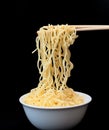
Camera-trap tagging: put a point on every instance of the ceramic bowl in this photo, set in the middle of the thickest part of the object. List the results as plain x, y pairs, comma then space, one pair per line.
56, 118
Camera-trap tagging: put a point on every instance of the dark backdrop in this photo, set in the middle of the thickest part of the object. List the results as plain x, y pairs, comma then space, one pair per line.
90, 74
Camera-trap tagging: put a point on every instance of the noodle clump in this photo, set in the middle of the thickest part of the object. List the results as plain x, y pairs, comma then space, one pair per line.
54, 65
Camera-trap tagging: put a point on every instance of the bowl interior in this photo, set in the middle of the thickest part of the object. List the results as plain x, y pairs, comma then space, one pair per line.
87, 99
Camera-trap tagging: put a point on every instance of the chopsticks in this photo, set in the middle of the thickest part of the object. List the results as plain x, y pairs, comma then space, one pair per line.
91, 27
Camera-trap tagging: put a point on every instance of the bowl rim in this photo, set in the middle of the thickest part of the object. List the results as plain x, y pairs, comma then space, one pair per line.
89, 99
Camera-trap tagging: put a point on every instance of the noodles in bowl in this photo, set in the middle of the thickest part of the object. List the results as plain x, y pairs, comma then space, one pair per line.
54, 65
56, 118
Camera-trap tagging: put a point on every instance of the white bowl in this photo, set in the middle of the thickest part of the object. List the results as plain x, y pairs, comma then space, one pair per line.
56, 118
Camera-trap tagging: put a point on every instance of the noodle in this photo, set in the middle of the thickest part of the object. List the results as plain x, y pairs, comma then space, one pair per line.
54, 65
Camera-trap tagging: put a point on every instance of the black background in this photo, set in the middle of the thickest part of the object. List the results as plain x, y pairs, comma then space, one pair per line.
90, 74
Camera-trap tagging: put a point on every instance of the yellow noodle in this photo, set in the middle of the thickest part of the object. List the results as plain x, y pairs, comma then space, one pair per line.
54, 65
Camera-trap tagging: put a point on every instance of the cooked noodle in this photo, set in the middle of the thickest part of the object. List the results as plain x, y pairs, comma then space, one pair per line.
54, 65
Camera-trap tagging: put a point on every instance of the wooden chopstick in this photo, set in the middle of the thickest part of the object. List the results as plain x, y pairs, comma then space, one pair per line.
91, 27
